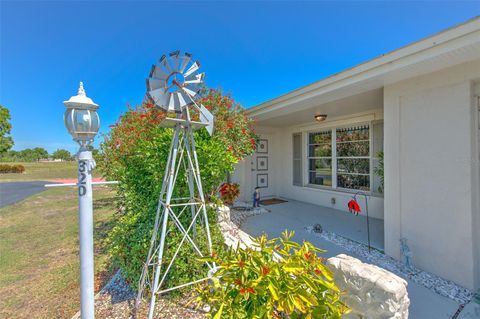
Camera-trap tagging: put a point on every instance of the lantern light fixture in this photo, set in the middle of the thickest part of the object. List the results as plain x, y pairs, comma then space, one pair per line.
81, 118
82, 122
320, 117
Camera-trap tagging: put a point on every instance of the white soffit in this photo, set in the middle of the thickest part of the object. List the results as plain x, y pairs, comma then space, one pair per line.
453, 46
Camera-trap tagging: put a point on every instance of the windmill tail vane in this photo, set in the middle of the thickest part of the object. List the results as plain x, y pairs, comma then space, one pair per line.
173, 85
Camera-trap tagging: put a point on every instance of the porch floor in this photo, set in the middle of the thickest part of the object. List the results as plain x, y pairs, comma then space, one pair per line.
295, 215
339, 222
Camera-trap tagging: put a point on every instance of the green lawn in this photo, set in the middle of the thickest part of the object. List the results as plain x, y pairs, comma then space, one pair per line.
39, 263
42, 171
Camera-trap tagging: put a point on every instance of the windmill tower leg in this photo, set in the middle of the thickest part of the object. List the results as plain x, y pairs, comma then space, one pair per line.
182, 150
200, 188
191, 180
158, 217
169, 180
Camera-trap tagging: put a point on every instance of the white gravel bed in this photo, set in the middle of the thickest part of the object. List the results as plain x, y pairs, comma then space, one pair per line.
430, 281
241, 211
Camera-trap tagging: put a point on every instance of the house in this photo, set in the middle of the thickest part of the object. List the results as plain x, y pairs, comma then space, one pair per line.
420, 106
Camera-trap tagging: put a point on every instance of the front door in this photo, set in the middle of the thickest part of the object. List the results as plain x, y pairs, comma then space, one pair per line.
261, 169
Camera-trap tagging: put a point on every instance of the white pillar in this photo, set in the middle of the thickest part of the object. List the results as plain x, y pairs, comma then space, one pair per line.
85, 218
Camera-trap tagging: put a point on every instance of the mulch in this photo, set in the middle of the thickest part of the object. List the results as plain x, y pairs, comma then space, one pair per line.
117, 301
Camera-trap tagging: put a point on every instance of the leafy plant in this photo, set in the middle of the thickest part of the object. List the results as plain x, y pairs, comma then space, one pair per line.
135, 153
229, 192
379, 171
253, 284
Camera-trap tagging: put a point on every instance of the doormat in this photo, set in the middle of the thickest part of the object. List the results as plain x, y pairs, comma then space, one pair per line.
272, 201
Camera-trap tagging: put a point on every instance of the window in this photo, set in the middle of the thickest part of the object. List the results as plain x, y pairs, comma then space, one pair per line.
344, 157
353, 157
320, 158
297, 159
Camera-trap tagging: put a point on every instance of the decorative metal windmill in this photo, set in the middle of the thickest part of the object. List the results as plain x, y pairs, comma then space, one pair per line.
173, 85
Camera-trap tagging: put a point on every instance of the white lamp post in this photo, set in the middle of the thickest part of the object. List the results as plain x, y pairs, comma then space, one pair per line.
82, 122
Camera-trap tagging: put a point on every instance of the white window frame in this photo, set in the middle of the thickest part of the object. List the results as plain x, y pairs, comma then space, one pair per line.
334, 158
321, 157
369, 157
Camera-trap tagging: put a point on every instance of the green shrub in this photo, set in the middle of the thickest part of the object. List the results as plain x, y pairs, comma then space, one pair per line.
135, 153
5, 168
252, 284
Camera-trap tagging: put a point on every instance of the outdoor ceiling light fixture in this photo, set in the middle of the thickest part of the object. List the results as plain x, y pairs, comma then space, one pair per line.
320, 117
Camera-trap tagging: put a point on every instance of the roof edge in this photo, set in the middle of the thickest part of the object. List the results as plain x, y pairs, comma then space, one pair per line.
434, 40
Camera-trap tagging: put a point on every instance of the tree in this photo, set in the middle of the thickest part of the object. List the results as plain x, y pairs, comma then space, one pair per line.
40, 153
26, 155
35, 154
62, 154
6, 141
135, 153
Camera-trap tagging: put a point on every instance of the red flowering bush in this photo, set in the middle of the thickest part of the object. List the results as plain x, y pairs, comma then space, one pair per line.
229, 192
250, 283
135, 153
232, 126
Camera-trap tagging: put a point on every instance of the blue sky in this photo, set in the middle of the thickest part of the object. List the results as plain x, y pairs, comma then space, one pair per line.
254, 50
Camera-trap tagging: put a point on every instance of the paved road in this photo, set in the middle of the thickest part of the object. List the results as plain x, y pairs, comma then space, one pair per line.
13, 192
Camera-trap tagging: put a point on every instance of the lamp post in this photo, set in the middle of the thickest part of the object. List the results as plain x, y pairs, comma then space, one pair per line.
82, 122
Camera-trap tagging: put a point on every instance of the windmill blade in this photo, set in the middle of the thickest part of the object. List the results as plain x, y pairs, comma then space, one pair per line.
149, 88
198, 79
189, 92
188, 98
195, 66
194, 81
207, 117
160, 97
164, 62
157, 72
171, 102
185, 60
174, 103
155, 83
194, 75
175, 55
181, 99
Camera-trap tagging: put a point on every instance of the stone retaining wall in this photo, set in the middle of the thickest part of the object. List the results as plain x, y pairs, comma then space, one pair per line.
371, 292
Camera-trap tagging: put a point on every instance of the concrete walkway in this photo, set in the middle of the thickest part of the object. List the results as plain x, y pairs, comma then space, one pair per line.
293, 215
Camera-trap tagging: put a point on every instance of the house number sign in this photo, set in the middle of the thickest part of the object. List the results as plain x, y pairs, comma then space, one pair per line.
82, 176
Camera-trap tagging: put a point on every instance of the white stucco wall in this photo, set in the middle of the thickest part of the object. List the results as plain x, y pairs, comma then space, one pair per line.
281, 172
431, 172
